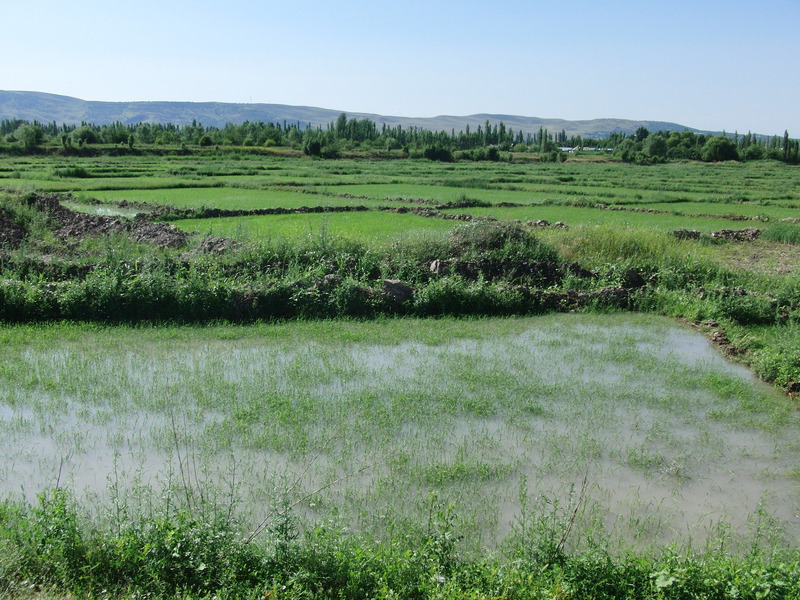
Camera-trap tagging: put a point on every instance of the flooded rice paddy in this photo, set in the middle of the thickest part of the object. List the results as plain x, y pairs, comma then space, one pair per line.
495, 418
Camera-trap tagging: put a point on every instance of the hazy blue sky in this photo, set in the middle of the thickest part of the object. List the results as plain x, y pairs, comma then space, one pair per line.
715, 65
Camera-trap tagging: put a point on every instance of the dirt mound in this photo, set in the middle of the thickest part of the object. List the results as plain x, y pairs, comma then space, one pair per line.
686, 234
218, 245
11, 233
73, 225
77, 226
749, 234
738, 235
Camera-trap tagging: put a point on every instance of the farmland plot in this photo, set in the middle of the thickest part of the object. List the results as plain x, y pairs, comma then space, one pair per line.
636, 423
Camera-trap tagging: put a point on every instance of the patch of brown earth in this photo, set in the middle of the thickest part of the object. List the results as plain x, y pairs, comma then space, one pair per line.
11, 233
716, 334
77, 226
761, 256
750, 234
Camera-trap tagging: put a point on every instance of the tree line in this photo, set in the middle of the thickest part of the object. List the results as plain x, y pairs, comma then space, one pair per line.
485, 142
645, 148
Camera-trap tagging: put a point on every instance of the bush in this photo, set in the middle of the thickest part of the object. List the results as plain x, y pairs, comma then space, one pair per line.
553, 156
504, 241
353, 299
85, 134
438, 153
451, 296
312, 148
754, 152
746, 309
22, 301
73, 172
719, 148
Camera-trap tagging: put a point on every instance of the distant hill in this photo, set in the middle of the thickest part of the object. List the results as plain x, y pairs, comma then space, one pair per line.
47, 108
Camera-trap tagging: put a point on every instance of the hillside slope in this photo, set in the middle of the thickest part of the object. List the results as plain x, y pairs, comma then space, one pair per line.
45, 107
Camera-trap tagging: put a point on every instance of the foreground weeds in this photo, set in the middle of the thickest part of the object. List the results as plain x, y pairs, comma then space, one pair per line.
52, 549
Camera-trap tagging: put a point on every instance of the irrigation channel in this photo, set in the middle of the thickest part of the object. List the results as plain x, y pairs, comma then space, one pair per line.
366, 423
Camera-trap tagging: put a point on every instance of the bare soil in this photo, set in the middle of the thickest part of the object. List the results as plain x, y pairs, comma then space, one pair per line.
75, 226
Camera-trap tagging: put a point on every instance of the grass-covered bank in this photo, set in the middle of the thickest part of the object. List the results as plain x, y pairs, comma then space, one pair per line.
413, 457
51, 551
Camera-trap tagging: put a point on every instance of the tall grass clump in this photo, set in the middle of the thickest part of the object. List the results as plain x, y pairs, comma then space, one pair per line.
21, 210
496, 249
603, 245
787, 233
72, 172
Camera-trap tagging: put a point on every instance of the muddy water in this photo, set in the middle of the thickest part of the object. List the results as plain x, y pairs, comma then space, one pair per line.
675, 443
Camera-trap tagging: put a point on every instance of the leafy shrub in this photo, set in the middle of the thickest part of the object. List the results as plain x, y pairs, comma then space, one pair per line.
445, 296
746, 309
438, 153
553, 156
352, 299
312, 148
22, 301
719, 148
457, 296
498, 240
72, 172
779, 367
56, 540
273, 301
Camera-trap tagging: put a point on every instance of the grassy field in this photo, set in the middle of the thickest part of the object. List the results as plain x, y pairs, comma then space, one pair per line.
686, 196
562, 428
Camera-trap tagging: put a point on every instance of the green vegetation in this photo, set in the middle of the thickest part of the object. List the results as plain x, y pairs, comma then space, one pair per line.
425, 458
126, 283
486, 143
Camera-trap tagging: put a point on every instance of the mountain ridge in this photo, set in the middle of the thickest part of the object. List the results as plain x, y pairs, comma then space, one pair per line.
45, 107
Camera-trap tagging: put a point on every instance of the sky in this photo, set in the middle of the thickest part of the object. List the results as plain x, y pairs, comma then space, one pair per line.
714, 65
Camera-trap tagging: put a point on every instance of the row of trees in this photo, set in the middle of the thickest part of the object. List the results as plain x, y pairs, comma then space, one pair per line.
484, 142
344, 131
644, 147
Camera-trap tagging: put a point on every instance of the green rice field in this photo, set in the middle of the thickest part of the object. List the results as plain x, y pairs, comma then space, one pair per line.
367, 422
364, 378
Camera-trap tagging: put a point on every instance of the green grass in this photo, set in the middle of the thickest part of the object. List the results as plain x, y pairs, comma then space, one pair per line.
371, 227
572, 216
409, 446
787, 233
226, 198
771, 212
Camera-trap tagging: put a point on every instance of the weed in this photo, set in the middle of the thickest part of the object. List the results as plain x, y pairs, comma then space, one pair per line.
787, 233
